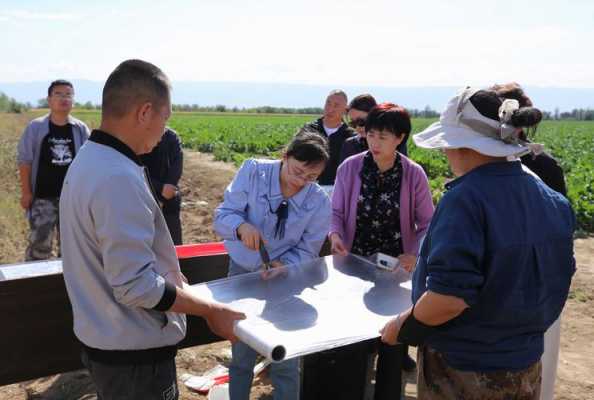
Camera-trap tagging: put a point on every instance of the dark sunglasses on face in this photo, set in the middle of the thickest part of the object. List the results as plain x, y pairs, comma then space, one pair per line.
358, 122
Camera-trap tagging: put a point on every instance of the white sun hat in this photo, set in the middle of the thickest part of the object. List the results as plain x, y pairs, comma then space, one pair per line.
461, 125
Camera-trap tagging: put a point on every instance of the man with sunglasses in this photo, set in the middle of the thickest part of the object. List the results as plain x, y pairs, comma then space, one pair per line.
332, 127
44, 154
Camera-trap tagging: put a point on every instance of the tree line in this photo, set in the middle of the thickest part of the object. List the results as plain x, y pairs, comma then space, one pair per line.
8, 104
579, 114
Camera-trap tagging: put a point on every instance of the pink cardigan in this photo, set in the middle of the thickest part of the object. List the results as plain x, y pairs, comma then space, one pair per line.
416, 205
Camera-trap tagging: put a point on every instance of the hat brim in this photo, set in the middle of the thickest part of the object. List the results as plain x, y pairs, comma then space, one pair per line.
442, 136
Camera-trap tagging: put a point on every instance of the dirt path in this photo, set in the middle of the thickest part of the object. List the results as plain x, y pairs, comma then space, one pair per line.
202, 187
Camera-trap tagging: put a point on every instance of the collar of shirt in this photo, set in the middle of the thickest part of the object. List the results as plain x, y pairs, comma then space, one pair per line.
109, 140
493, 168
331, 131
69, 119
319, 125
275, 192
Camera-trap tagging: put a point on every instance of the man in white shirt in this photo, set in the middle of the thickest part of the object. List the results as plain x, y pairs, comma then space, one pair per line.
332, 126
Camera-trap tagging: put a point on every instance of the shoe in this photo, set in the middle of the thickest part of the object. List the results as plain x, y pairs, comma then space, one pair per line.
408, 364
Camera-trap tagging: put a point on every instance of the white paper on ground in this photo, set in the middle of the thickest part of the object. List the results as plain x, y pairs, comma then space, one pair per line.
314, 306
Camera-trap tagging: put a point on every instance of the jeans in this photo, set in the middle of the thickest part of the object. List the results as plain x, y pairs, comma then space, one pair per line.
284, 375
44, 220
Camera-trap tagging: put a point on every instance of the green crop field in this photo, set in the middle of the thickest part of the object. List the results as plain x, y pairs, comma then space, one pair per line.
234, 137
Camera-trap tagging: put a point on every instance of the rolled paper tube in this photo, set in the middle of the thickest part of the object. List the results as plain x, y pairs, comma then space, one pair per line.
274, 352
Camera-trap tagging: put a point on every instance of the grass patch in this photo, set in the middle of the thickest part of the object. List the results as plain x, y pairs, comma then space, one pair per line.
580, 295
13, 226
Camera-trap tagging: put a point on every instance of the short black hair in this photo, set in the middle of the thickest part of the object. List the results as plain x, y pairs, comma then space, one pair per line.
309, 147
363, 102
389, 117
58, 82
134, 82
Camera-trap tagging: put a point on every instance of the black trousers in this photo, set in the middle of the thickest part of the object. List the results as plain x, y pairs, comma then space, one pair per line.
145, 381
339, 373
173, 222
388, 376
342, 373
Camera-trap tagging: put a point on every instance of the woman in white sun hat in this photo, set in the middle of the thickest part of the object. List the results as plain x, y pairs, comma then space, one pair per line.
495, 267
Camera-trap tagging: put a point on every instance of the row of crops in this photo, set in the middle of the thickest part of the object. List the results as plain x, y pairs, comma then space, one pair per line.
235, 137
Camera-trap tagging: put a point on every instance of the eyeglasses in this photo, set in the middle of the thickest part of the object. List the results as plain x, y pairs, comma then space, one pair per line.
297, 173
357, 122
60, 95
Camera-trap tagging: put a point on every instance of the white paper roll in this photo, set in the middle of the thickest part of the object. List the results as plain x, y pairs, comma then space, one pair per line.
273, 351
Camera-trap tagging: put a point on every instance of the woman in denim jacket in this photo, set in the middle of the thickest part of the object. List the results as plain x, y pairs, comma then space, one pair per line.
277, 203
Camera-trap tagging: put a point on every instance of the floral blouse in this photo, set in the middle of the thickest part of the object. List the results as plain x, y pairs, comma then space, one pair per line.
378, 210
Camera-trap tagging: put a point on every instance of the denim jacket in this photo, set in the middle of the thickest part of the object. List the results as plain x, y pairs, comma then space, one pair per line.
253, 196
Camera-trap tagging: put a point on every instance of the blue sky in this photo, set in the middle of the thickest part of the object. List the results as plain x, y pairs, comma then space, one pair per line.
343, 42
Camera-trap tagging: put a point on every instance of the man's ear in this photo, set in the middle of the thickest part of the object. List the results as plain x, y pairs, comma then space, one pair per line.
144, 113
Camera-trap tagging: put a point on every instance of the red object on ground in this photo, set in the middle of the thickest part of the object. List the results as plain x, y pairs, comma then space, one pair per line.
219, 380
200, 249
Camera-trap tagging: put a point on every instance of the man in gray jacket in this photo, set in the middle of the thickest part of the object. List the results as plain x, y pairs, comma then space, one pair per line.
44, 154
123, 278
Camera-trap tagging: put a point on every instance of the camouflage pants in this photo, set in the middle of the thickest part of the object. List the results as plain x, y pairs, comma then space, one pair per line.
43, 221
436, 380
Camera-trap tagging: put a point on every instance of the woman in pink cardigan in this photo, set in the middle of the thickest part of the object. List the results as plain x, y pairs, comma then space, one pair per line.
414, 201
382, 203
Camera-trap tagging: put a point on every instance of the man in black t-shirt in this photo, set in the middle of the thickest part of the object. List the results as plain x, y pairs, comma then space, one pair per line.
45, 152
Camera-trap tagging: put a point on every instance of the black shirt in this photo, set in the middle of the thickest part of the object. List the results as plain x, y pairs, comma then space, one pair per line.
352, 146
57, 152
335, 142
165, 164
378, 210
547, 169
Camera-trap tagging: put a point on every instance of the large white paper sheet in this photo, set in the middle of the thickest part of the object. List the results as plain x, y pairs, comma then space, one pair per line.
305, 308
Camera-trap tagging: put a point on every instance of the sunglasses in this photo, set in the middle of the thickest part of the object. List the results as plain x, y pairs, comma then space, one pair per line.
357, 122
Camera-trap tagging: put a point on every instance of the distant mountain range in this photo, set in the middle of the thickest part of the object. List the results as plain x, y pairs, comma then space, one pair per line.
244, 94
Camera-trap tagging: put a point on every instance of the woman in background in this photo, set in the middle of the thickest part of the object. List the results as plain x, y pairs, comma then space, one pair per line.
546, 168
